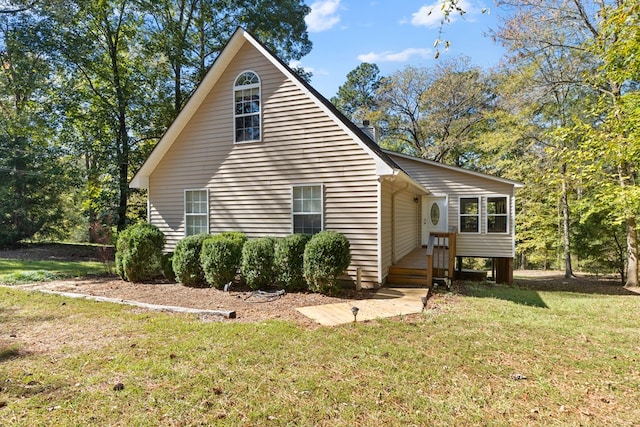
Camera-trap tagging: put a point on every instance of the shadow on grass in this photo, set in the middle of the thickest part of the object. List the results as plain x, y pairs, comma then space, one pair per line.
581, 284
528, 297
9, 353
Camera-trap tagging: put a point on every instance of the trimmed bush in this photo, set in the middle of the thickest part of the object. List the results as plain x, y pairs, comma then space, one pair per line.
257, 262
288, 261
167, 267
221, 256
326, 256
186, 260
139, 252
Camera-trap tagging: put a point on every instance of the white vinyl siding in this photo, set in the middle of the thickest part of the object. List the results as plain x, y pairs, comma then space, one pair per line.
307, 209
405, 218
250, 185
456, 184
196, 211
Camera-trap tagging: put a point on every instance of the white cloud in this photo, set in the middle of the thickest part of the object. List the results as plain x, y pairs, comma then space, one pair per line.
296, 64
324, 15
389, 56
431, 15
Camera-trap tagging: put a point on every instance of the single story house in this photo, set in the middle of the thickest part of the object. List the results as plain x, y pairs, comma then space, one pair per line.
256, 149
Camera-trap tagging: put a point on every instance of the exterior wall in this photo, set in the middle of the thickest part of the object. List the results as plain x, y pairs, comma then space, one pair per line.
406, 234
386, 228
400, 223
442, 181
250, 184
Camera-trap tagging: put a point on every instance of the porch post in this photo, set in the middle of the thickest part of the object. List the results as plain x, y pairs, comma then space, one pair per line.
504, 270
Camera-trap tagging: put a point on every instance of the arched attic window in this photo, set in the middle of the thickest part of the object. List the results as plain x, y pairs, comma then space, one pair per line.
247, 107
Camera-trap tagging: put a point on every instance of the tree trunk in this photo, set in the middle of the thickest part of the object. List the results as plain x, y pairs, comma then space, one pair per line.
632, 253
566, 226
632, 233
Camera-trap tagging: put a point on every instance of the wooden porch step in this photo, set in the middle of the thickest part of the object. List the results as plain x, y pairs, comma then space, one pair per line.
407, 277
407, 271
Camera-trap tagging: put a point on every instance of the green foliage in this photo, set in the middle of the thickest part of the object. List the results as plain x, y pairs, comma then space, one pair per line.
356, 98
220, 257
186, 260
167, 267
326, 256
435, 113
34, 171
288, 261
257, 262
139, 252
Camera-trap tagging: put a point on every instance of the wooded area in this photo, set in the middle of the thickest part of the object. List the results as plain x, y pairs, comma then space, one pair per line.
87, 88
560, 115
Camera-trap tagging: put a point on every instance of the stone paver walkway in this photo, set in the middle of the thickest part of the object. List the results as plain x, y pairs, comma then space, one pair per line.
387, 302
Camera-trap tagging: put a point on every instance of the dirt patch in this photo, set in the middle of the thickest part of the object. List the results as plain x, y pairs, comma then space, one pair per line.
249, 306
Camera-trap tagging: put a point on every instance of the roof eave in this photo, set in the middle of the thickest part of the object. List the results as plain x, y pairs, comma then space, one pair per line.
516, 184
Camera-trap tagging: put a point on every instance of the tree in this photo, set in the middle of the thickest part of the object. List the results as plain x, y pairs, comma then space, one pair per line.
356, 98
433, 113
455, 106
99, 42
554, 37
32, 167
191, 33
615, 137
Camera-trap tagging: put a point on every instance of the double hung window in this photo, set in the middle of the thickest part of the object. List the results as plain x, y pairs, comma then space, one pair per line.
497, 214
196, 212
469, 217
307, 209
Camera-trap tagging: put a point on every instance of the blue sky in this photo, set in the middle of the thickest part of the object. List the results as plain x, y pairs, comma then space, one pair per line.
392, 34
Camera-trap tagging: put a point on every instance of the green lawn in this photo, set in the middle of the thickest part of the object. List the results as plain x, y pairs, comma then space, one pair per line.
14, 271
497, 356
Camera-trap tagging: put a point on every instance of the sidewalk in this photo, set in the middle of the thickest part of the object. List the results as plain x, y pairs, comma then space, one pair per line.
387, 302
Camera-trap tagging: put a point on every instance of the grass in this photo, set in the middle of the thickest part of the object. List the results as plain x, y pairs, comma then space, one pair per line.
13, 271
496, 356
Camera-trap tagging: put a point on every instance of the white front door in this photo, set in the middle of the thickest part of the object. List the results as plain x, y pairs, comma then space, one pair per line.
434, 216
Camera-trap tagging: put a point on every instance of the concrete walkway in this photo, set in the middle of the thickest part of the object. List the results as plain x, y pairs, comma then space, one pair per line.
386, 302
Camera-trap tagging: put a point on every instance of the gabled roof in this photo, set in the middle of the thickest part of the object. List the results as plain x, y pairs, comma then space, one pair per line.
384, 164
516, 184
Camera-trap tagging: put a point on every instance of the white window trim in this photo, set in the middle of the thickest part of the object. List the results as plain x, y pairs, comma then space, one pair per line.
321, 204
233, 97
507, 214
184, 208
479, 214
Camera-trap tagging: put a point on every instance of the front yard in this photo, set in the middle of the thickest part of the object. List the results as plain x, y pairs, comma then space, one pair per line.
546, 352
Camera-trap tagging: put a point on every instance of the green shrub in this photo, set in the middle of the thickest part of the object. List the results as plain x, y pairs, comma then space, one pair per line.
167, 267
186, 260
257, 262
288, 261
326, 256
139, 252
221, 256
